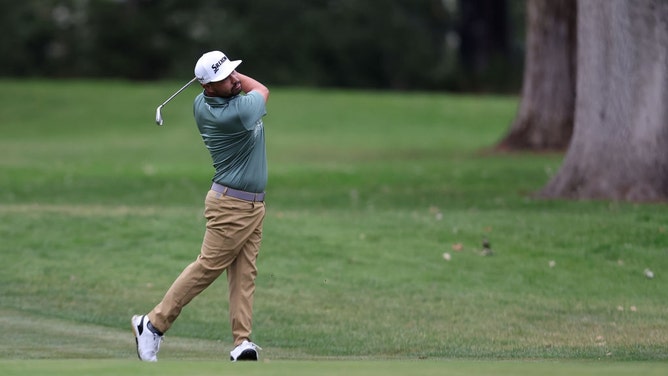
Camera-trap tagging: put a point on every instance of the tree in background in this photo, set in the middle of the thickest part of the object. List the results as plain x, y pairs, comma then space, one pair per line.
485, 47
389, 44
620, 140
344, 43
545, 117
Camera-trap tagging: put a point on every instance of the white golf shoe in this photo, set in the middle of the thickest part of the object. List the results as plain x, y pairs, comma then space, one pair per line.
148, 342
245, 351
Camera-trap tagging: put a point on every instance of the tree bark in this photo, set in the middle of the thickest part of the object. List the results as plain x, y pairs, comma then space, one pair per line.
545, 117
619, 149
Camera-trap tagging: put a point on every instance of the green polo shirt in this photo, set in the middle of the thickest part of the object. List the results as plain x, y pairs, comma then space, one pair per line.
233, 132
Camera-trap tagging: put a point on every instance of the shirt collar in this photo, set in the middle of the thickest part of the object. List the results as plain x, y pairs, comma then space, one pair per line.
217, 101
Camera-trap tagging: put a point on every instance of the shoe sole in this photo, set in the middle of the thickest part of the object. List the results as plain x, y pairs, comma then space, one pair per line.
136, 333
247, 355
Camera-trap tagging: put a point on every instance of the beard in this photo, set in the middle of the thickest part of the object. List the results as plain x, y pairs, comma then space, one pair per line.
236, 89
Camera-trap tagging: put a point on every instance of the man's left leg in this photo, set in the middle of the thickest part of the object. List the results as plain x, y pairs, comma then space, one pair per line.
241, 285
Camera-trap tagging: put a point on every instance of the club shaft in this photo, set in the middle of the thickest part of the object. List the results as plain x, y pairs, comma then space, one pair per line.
180, 90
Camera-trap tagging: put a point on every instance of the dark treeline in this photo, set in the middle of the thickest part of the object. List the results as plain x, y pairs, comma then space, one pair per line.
457, 45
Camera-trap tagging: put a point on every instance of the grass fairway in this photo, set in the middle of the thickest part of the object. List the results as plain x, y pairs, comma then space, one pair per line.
100, 210
332, 368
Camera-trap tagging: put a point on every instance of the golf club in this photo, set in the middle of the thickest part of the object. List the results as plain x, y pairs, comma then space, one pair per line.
158, 113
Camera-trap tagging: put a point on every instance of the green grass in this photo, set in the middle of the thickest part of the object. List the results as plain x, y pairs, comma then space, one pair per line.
337, 367
100, 210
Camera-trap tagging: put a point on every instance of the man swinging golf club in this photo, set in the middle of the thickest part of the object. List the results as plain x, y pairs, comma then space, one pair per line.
229, 115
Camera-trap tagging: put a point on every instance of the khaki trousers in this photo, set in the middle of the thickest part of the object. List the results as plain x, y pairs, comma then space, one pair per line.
231, 242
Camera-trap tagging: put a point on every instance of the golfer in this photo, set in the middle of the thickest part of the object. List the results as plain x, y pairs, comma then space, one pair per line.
229, 115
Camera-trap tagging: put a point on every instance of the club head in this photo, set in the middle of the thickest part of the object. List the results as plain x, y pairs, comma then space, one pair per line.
158, 115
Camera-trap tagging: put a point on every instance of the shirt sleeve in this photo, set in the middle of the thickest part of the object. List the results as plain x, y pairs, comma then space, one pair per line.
252, 108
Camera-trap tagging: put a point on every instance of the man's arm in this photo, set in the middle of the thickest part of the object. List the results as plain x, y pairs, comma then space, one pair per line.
249, 84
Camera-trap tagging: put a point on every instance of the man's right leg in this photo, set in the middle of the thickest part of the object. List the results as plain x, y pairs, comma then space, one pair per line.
150, 328
193, 280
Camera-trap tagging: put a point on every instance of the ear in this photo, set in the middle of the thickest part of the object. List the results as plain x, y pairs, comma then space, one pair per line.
207, 88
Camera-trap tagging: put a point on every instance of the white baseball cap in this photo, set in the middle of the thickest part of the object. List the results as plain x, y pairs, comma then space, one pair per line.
214, 66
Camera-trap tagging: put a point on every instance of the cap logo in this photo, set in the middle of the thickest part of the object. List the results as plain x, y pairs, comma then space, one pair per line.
216, 66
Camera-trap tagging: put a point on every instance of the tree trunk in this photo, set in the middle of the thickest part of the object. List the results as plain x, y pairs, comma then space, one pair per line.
619, 149
545, 116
